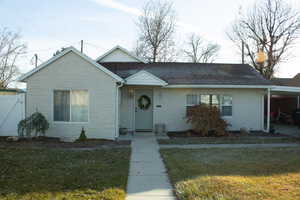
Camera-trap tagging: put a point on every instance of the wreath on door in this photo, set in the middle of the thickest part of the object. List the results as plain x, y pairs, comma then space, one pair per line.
144, 102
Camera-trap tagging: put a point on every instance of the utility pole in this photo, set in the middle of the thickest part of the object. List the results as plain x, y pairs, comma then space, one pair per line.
35, 59
81, 46
243, 52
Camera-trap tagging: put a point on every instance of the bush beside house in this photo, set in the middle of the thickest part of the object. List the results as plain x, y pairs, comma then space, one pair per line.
206, 120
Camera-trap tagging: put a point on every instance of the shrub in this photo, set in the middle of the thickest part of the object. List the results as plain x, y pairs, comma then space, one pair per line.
36, 122
206, 120
82, 136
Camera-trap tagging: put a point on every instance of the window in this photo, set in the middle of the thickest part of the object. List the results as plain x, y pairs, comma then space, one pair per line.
215, 100
71, 105
210, 99
226, 106
205, 99
191, 99
223, 102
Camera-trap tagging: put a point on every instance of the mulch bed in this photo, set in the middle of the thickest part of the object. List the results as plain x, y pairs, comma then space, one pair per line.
193, 134
52, 142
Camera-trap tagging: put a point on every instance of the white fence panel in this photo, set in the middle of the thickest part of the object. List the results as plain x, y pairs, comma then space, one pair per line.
12, 110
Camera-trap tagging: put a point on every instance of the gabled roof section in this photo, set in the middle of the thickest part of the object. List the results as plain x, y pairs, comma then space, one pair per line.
130, 57
67, 50
145, 78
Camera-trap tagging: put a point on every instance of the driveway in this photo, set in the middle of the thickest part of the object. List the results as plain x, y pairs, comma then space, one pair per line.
287, 130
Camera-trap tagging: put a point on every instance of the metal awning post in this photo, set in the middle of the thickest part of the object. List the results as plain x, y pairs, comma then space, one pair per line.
268, 112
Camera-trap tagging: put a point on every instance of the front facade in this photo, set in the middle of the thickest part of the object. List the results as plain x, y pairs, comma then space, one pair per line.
119, 90
243, 107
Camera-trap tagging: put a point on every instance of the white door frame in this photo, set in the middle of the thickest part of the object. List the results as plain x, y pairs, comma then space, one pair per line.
134, 107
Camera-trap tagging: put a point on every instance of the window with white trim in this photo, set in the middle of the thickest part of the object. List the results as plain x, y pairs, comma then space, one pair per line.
226, 109
223, 102
205, 99
191, 99
71, 105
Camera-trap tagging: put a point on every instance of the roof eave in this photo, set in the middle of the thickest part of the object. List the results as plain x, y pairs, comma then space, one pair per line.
218, 86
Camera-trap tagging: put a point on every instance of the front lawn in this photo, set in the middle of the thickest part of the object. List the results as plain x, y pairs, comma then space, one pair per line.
39, 174
234, 174
229, 140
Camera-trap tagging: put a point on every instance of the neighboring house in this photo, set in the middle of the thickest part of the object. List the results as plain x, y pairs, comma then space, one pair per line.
12, 110
10, 91
119, 89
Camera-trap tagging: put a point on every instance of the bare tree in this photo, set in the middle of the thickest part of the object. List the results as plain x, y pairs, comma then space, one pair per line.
271, 26
10, 50
156, 25
199, 50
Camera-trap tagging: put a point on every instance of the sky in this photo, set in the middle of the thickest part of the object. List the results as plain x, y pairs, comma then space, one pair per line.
48, 25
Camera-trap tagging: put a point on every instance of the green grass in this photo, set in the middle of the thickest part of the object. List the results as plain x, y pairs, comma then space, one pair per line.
234, 174
39, 174
230, 140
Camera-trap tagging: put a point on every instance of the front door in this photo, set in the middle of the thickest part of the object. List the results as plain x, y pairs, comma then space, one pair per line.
143, 110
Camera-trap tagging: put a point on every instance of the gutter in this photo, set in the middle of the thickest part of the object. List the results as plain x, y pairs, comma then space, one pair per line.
276, 88
220, 86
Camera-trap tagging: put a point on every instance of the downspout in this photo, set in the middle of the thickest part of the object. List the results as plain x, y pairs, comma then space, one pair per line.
119, 85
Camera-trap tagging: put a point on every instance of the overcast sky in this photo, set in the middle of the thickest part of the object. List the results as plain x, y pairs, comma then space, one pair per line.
46, 26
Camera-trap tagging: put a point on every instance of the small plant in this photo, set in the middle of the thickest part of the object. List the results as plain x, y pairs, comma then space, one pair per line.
206, 120
82, 136
36, 122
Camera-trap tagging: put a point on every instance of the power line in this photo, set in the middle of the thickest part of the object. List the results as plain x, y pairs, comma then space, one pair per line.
95, 46
51, 48
34, 59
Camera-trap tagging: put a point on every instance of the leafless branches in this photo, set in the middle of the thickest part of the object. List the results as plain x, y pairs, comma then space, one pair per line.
156, 25
199, 50
271, 25
10, 50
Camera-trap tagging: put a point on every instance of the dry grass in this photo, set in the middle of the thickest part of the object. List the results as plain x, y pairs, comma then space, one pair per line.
235, 174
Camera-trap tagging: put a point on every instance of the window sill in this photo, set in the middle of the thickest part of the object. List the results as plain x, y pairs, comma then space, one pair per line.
226, 117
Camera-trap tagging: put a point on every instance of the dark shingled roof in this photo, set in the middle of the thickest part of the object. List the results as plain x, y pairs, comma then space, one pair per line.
291, 82
192, 73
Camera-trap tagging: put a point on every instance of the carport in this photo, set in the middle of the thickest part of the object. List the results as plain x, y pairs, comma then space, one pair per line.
280, 104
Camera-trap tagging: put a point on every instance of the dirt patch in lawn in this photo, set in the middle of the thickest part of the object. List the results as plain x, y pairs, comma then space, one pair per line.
53, 142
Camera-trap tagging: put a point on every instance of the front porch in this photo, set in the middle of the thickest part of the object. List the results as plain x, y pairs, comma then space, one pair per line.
139, 98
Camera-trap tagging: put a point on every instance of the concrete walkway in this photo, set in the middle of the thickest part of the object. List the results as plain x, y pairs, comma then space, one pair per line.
148, 179
199, 146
